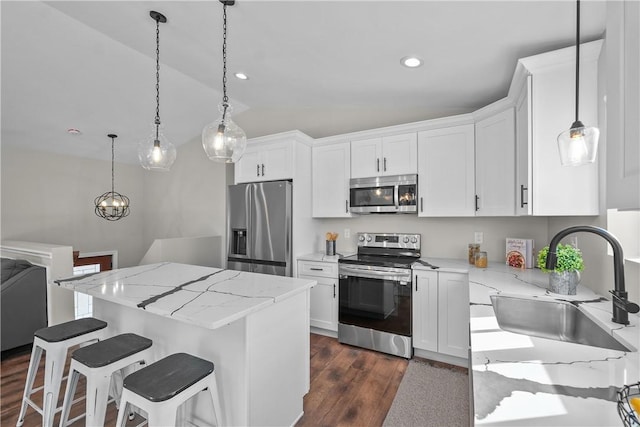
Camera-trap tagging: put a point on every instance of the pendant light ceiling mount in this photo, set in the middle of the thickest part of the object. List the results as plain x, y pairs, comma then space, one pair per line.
112, 205
223, 140
579, 144
156, 152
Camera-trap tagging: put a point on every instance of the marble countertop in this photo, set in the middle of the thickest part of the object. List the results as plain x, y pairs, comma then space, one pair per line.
320, 256
522, 380
203, 296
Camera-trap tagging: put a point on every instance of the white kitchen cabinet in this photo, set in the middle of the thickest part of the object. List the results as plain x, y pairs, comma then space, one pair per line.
495, 164
441, 312
388, 155
623, 105
446, 171
331, 170
545, 107
265, 162
324, 296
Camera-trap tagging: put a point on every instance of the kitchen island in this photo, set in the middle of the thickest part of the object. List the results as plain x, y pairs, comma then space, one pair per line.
521, 380
253, 327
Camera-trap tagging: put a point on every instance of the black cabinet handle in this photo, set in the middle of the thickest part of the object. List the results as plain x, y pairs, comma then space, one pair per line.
346, 206
263, 169
316, 269
477, 200
334, 290
522, 190
377, 165
384, 164
416, 282
257, 170
421, 204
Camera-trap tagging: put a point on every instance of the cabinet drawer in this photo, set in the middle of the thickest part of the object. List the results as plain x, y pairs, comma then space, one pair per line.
321, 269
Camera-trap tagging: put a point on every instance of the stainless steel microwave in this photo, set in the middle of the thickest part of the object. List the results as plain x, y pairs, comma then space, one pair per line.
384, 194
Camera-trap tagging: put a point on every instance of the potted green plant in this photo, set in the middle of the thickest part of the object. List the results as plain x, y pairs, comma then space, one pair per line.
565, 277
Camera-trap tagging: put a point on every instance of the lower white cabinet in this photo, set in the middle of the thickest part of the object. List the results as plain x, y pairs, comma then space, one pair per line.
441, 312
324, 296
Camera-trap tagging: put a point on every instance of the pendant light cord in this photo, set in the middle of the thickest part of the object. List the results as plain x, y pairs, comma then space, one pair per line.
157, 121
577, 56
112, 166
225, 98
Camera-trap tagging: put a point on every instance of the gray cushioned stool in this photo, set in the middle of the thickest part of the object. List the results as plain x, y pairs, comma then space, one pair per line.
55, 341
97, 362
160, 388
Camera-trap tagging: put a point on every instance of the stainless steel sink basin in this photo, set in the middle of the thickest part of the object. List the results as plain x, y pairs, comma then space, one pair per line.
556, 320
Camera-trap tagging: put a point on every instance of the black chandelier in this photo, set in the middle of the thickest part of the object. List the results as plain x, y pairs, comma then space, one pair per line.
111, 205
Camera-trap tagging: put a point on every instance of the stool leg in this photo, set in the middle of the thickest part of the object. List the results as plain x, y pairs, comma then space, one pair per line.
54, 368
36, 355
213, 391
122, 410
72, 384
96, 400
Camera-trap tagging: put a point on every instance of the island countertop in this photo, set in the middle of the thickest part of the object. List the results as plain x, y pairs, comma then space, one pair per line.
203, 296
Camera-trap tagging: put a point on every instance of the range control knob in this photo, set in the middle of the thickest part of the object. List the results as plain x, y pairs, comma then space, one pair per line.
406, 239
414, 239
368, 238
361, 238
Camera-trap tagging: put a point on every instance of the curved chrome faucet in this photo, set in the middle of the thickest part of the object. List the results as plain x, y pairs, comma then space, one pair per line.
621, 306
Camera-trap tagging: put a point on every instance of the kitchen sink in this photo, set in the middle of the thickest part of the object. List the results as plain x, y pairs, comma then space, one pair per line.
556, 320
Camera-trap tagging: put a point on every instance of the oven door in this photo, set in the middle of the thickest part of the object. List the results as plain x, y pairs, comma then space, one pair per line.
373, 299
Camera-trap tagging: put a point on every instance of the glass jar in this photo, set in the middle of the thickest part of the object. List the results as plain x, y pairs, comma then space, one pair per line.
481, 259
473, 249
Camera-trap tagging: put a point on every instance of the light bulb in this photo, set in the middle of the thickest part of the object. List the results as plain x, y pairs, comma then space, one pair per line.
156, 152
223, 140
578, 145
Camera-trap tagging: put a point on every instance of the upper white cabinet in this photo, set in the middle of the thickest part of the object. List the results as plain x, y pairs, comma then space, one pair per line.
265, 162
388, 155
623, 105
545, 85
446, 171
330, 169
495, 164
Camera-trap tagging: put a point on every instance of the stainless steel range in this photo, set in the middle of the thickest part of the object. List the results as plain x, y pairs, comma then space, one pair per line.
375, 293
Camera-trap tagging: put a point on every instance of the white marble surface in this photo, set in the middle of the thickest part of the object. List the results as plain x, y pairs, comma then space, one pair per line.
203, 296
320, 256
521, 380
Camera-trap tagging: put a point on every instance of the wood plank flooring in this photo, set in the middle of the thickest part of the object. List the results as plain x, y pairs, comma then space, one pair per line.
349, 387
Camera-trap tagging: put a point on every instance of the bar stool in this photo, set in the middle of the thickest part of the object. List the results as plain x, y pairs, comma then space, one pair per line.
55, 341
160, 388
97, 362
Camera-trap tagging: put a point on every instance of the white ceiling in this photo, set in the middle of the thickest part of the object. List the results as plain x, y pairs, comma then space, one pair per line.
322, 67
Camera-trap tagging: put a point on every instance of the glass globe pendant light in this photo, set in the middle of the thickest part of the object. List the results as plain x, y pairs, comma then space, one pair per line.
223, 140
579, 144
111, 205
156, 152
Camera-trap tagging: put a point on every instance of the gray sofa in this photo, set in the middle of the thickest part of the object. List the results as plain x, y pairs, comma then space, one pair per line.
23, 302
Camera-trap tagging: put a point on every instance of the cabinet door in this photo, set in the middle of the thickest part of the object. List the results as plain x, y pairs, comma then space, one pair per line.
623, 105
523, 150
324, 303
453, 314
331, 165
247, 169
366, 157
495, 165
446, 171
425, 310
399, 154
557, 189
277, 161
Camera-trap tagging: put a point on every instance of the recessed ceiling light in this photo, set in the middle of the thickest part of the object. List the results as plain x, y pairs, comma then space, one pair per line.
411, 61
241, 76
73, 131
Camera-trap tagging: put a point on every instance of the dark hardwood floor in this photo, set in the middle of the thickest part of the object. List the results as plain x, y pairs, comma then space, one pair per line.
349, 387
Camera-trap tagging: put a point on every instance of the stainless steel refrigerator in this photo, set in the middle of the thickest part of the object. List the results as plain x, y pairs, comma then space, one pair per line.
259, 227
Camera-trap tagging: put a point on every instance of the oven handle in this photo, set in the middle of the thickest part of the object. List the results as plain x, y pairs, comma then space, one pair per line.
403, 278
